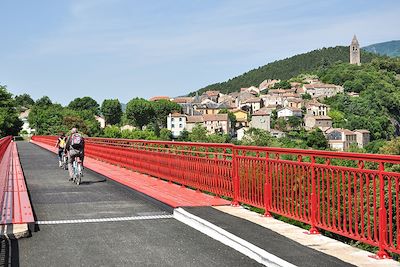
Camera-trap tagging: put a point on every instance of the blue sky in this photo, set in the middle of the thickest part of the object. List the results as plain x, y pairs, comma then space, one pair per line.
127, 48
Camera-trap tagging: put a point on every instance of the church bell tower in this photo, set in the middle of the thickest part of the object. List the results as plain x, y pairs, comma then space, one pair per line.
355, 51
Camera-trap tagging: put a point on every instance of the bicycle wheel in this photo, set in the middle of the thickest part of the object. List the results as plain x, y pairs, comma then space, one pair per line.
78, 173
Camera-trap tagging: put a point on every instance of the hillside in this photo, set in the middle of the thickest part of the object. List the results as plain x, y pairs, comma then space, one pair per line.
288, 68
391, 48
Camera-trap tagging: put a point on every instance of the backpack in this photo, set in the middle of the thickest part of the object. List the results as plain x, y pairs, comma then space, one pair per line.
61, 142
76, 141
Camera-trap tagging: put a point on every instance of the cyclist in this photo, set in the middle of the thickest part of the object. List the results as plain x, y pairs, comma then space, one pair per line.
61, 141
76, 148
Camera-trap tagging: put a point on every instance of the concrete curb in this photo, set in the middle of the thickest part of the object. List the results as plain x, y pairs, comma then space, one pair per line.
229, 239
14, 231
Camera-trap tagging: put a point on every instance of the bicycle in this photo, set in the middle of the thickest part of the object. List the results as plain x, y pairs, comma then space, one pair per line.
64, 161
77, 168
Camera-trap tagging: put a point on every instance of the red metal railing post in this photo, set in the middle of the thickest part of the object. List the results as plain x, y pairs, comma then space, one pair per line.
267, 188
314, 205
235, 201
382, 254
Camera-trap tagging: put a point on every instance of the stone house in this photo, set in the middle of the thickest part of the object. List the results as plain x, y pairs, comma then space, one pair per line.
288, 112
340, 139
261, 119
269, 100
363, 137
218, 123
212, 95
315, 108
318, 90
293, 102
191, 122
214, 123
252, 104
321, 122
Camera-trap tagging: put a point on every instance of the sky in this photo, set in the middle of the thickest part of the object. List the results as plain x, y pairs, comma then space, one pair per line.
123, 49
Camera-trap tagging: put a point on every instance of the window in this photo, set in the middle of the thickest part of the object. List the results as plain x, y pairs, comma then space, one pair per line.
180, 119
172, 119
172, 125
180, 125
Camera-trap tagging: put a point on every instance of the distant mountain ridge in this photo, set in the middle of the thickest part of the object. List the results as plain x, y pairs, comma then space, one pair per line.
391, 48
287, 68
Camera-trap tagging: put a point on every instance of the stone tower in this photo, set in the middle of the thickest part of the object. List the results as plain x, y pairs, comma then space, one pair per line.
355, 51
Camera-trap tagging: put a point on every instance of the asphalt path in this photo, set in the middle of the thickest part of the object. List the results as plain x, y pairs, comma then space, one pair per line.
73, 229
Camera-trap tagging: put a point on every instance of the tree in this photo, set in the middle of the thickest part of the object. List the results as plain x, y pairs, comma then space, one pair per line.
282, 85
47, 119
10, 124
44, 101
85, 103
112, 132
198, 134
139, 112
184, 136
231, 116
162, 108
165, 134
259, 137
24, 100
316, 139
112, 111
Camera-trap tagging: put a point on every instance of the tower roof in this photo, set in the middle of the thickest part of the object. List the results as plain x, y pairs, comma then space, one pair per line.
354, 41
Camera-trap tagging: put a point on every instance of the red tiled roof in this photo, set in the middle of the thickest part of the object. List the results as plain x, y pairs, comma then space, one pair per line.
177, 115
215, 117
155, 98
182, 99
195, 119
212, 93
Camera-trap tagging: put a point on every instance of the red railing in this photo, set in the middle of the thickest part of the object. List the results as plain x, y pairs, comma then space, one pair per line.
351, 194
4, 142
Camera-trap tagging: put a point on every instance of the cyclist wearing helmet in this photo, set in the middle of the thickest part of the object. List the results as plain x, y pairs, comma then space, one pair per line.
76, 148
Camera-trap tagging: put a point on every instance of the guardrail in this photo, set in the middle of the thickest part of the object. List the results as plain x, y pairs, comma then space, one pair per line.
15, 204
351, 194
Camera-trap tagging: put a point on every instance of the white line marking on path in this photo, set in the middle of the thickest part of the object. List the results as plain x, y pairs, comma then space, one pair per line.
256, 253
115, 219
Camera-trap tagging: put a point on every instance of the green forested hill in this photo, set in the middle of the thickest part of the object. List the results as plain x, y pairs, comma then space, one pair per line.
391, 48
288, 68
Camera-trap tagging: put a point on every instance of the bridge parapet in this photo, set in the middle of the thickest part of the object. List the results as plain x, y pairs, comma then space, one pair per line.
351, 194
15, 204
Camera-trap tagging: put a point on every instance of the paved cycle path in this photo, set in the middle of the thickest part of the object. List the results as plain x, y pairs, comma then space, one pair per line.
102, 223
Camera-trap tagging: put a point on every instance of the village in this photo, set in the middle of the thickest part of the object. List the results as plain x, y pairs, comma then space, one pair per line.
258, 107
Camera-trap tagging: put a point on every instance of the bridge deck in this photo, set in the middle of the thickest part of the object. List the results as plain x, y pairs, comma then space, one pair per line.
171, 194
73, 229
104, 223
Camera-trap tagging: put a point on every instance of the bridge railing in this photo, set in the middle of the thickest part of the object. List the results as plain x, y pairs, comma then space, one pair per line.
351, 194
4, 142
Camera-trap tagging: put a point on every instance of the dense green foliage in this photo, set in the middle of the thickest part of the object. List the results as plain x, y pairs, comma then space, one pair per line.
162, 108
50, 119
139, 112
378, 107
391, 48
85, 103
288, 68
10, 124
112, 111
24, 100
